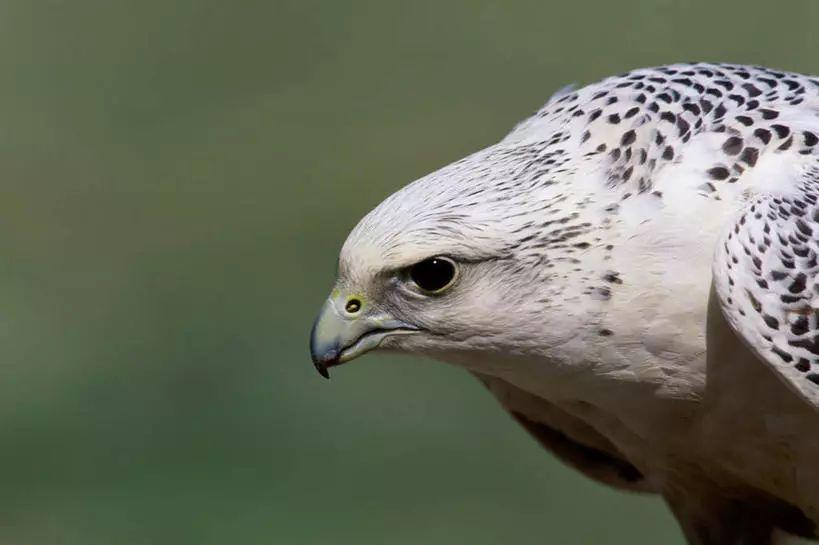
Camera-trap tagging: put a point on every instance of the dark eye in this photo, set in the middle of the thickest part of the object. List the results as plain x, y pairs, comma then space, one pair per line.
433, 274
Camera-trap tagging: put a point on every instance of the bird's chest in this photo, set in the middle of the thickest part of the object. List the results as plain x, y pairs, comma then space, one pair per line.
642, 413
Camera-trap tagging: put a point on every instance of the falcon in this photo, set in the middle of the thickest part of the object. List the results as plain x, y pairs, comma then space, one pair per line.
633, 273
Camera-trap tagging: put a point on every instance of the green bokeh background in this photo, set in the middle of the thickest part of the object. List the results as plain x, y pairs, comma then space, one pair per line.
177, 178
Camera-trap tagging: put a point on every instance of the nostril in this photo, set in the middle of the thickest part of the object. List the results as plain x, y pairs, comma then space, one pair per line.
353, 305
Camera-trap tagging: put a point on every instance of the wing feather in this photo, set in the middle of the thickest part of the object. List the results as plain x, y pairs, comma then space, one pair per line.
766, 275
572, 441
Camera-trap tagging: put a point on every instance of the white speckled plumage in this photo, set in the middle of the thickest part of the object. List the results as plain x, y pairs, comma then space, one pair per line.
590, 239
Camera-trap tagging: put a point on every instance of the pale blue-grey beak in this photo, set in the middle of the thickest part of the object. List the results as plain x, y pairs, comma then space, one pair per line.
348, 327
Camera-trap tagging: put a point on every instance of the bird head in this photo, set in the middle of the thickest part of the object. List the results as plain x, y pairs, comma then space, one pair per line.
458, 264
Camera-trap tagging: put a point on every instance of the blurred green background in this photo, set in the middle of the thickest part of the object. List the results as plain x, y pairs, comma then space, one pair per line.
177, 178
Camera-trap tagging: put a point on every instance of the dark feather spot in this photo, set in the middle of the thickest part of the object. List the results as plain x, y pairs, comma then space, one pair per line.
786, 144
800, 326
732, 146
749, 156
809, 344
803, 227
781, 130
628, 138
752, 90
798, 284
718, 173
763, 134
770, 321
787, 358
745, 120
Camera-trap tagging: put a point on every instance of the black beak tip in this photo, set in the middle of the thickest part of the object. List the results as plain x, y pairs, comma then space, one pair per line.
322, 369
324, 355
323, 360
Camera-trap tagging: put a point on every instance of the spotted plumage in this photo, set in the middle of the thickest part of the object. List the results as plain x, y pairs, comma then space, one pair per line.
766, 275
638, 284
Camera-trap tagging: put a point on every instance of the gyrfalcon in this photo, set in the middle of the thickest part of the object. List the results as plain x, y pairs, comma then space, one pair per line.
633, 273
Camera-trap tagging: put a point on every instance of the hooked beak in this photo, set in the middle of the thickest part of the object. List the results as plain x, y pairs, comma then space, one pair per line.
346, 328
